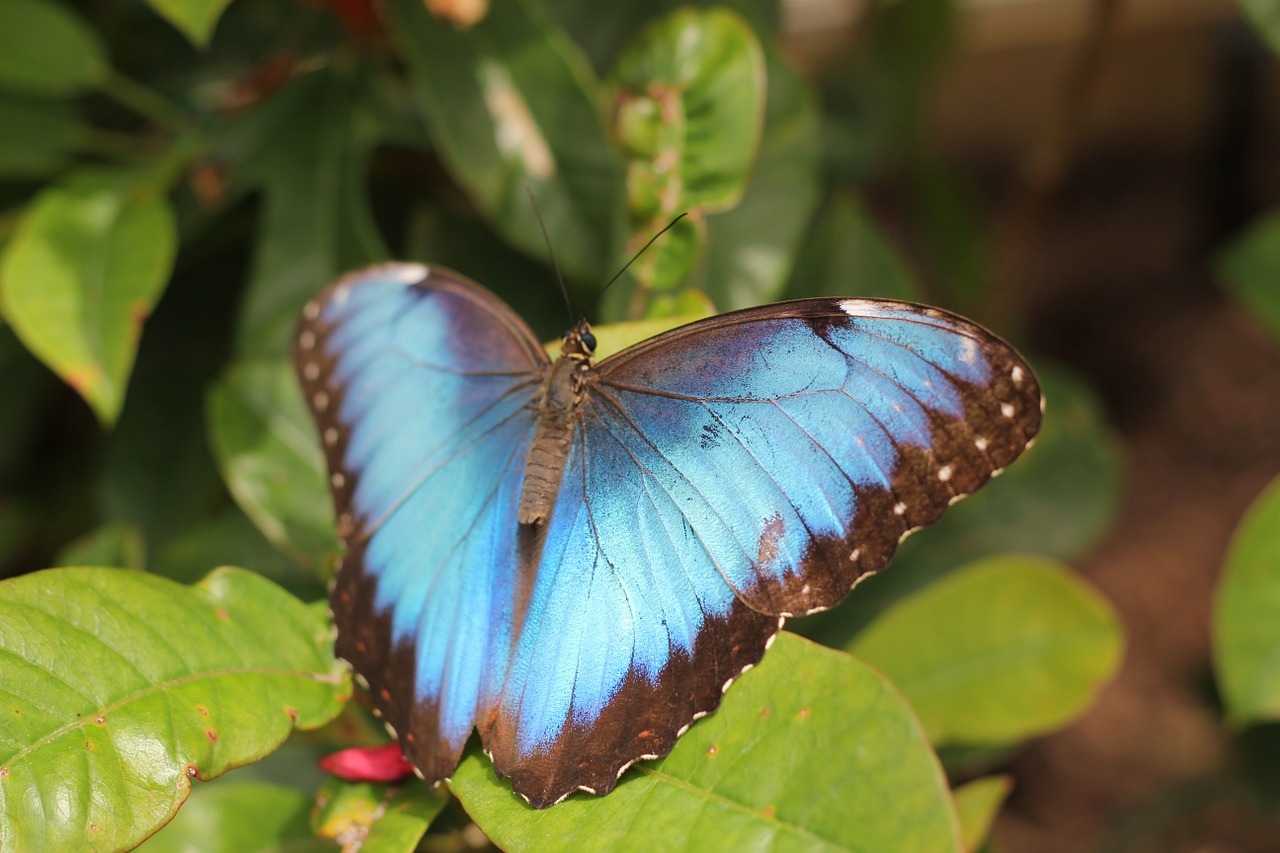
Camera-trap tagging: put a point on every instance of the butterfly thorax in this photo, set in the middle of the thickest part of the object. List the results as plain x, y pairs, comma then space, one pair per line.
557, 407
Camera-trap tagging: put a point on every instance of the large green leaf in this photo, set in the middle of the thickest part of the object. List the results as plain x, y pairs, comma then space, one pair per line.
86, 265
1265, 17
998, 651
270, 456
46, 49
377, 818
195, 18
811, 750
1246, 617
39, 135
1250, 267
307, 150
240, 817
121, 687
512, 107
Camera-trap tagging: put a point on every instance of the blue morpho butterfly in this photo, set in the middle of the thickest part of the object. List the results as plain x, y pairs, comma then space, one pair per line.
578, 559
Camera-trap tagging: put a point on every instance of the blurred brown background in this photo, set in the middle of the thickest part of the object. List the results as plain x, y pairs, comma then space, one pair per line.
1116, 146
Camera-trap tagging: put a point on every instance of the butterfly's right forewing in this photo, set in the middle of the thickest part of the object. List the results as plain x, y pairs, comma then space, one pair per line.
420, 383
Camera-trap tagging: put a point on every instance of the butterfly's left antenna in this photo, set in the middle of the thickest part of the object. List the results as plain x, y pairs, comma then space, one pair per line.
564, 291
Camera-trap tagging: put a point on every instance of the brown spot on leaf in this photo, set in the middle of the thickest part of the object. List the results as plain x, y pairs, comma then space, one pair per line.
84, 378
769, 811
802, 714
292, 712
212, 735
223, 615
100, 720
712, 750
138, 314
202, 710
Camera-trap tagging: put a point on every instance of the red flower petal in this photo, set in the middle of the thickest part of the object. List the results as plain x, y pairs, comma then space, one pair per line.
368, 764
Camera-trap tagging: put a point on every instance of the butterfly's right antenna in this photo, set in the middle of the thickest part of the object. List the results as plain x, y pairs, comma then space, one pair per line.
635, 258
564, 291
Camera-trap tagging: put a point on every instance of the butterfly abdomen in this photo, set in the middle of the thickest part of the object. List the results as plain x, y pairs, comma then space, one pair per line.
557, 408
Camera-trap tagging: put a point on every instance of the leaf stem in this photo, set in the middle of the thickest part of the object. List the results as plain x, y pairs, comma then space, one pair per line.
144, 101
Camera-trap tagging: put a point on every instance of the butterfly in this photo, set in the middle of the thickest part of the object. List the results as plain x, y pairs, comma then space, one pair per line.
578, 559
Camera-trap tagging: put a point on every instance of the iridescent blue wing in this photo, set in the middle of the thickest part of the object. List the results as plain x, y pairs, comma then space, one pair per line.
724, 476
420, 383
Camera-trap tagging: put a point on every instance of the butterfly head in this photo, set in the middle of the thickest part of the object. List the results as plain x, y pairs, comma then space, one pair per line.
578, 343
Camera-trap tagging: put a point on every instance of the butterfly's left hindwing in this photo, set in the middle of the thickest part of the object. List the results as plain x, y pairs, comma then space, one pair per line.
420, 383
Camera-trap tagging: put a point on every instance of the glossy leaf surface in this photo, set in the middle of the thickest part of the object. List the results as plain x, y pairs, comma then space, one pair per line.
1245, 622
998, 651
121, 688
811, 750
88, 262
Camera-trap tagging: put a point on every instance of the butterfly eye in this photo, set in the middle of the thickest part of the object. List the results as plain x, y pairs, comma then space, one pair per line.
589, 342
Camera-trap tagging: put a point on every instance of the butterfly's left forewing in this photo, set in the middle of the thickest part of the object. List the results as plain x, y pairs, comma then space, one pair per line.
723, 476
420, 383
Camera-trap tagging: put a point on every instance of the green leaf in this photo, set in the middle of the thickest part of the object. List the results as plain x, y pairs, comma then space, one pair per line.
47, 50
1265, 17
86, 265
603, 32
688, 106
307, 149
1001, 650
688, 100
811, 750
270, 457
121, 687
978, 802
846, 254
39, 135
377, 818
512, 106
195, 18
240, 817
1250, 267
1246, 616
116, 544
751, 249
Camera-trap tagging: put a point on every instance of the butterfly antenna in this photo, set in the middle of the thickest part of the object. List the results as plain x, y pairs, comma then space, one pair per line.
635, 258
564, 291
